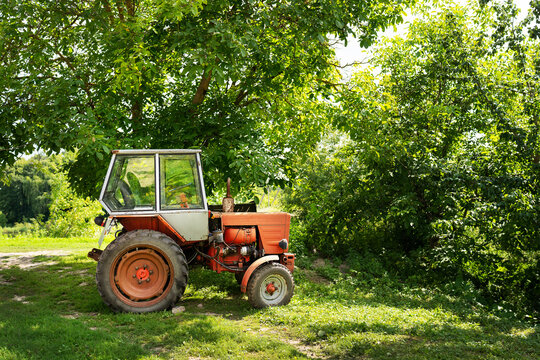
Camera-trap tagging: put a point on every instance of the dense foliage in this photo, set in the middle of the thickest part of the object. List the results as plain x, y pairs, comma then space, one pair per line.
36, 199
27, 193
439, 156
235, 78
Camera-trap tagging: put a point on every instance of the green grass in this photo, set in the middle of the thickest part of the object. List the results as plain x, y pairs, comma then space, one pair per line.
50, 309
21, 243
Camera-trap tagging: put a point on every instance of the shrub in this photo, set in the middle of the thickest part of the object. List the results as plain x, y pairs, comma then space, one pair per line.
70, 215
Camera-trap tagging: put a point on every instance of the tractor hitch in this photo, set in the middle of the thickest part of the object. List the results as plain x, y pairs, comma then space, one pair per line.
95, 254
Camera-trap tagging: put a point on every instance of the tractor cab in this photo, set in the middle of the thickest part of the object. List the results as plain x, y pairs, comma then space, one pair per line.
166, 185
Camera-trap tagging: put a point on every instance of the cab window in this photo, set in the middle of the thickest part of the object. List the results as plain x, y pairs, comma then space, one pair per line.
180, 184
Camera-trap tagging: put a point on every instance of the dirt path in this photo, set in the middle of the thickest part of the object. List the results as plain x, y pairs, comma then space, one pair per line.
26, 260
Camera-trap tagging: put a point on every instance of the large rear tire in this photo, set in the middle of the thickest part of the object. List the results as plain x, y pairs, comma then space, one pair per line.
142, 271
270, 285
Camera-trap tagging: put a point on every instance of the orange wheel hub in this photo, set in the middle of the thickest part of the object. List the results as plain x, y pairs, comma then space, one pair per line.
142, 276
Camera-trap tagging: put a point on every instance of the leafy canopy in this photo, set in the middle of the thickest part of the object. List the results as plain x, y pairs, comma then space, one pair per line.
240, 79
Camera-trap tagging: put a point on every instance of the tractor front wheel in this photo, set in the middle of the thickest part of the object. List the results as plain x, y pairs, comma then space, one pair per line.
142, 271
270, 285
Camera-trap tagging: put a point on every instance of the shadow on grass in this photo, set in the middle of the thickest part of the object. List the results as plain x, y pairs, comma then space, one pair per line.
29, 332
406, 323
396, 295
54, 311
350, 339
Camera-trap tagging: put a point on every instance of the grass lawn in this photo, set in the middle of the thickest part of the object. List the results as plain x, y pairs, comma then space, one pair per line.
50, 309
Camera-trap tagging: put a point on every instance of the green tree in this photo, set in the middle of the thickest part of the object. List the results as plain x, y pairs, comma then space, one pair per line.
443, 163
27, 193
239, 79
3, 219
37, 191
446, 133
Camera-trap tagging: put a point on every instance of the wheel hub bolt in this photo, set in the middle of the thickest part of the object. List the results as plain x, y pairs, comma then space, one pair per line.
134, 276
151, 272
148, 280
270, 288
140, 281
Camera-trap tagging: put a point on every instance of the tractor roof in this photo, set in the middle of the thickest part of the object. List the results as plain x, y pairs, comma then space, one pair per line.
155, 151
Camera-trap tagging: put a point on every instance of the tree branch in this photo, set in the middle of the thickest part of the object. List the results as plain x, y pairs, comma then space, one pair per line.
241, 96
329, 83
130, 6
198, 98
108, 10
86, 87
120, 10
249, 102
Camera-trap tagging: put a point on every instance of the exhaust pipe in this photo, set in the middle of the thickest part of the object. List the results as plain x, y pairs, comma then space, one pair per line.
228, 201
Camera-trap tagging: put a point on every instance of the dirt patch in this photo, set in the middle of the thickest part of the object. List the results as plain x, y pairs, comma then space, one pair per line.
344, 268
80, 272
26, 260
211, 314
21, 299
71, 316
157, 350
316, 278
4, 281
318, 263
309, 350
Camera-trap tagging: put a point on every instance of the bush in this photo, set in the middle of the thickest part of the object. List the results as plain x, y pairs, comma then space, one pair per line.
331, 203
70, 215
436, 170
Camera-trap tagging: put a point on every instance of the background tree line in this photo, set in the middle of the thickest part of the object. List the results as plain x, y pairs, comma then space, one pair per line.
37, 200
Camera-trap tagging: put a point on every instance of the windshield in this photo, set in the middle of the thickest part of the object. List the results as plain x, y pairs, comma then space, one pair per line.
131, 184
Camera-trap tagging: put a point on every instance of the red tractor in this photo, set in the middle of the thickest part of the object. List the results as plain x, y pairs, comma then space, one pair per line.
159, 199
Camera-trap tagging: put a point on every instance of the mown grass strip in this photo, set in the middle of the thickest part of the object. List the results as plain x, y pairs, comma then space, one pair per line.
23, 243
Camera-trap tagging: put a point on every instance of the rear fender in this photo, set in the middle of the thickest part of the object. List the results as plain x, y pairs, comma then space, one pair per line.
253, 267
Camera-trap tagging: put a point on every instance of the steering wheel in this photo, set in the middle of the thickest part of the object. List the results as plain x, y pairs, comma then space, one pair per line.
127, 195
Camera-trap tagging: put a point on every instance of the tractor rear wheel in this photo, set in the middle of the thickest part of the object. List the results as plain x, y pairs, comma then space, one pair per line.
270, 285
142, 271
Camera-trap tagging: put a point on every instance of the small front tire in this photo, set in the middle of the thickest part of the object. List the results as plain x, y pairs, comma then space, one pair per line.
270, 285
